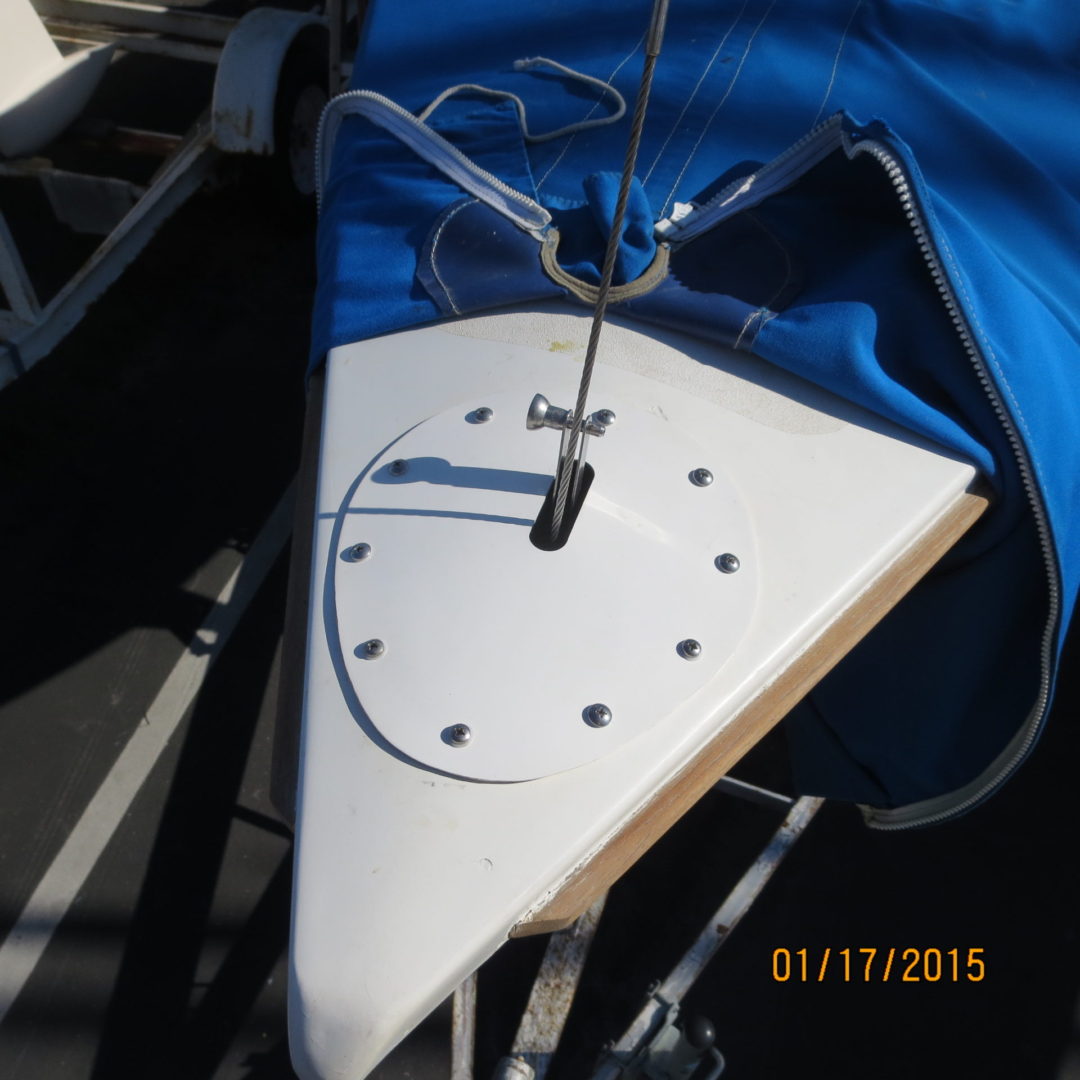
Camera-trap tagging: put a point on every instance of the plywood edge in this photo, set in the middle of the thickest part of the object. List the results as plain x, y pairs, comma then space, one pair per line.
608, 863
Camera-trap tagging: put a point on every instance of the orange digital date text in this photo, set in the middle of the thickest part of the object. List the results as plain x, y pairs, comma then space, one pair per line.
879, 965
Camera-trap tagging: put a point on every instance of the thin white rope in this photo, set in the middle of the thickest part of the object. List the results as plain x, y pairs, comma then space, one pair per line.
693, 93
719, 106
595, 105
605, 89
836, 62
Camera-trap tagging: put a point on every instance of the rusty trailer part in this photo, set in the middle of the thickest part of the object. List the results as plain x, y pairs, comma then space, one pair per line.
549, 1002
463, 1030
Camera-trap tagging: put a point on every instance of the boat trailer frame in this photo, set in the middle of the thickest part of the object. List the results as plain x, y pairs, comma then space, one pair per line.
248, 53
657, 1045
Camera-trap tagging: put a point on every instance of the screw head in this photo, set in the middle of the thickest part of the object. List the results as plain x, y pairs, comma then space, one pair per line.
460, 735
399, 467
483, 414
373, 649
597, 715
605, 417
727, 563
689, 649
701, 478
360, 552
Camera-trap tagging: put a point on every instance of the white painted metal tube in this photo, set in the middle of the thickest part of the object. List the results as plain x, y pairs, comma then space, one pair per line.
717, 928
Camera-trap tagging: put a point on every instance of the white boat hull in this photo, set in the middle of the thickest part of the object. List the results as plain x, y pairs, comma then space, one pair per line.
416, 858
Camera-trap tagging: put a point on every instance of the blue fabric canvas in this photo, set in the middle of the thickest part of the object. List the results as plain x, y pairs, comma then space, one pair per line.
966, 331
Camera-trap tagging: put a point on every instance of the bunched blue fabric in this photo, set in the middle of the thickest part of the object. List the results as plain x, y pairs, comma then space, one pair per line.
894, 213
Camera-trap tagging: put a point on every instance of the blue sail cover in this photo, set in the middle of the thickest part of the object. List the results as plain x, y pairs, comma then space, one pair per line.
889, 208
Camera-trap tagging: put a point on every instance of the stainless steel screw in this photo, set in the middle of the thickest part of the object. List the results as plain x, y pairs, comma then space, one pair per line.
701, 477
689, 649
727, 563
598, 715
460, 735
359, 552
374, 648
399, 467
605, 417
483, 414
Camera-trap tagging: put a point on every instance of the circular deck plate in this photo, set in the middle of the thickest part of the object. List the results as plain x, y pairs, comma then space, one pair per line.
482, 628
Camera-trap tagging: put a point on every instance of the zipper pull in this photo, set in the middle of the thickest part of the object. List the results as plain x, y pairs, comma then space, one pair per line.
666, 225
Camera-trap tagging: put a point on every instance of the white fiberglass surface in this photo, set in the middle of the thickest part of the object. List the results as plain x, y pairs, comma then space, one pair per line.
408, 878
480, 627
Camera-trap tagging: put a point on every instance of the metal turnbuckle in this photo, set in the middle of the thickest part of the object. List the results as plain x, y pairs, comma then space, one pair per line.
542, 414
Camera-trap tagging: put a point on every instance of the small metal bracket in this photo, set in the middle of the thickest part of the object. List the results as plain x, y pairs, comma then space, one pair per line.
542, 414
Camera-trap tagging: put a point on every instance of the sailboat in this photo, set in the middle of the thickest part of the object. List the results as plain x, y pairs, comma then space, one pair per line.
528, 635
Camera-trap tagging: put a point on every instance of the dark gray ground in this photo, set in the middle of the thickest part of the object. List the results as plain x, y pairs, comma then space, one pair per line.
135, 463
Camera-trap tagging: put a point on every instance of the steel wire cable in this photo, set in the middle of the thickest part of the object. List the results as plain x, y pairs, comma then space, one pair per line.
566, 466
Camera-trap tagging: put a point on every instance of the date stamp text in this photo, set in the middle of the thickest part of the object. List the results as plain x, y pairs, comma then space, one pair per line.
872, 965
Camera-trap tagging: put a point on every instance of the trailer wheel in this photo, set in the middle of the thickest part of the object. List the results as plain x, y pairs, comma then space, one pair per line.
301, 97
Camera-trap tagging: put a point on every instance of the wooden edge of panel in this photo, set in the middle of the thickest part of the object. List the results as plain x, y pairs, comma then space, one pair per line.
716, 758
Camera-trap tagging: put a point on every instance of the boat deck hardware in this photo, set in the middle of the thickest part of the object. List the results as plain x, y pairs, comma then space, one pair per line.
690, 649
598, 716
542, 414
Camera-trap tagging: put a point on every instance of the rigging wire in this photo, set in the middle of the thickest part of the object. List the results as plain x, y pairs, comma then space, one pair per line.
569, 466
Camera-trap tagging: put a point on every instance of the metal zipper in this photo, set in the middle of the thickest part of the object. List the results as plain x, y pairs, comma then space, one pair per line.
750, 191
932, 811
428, 144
